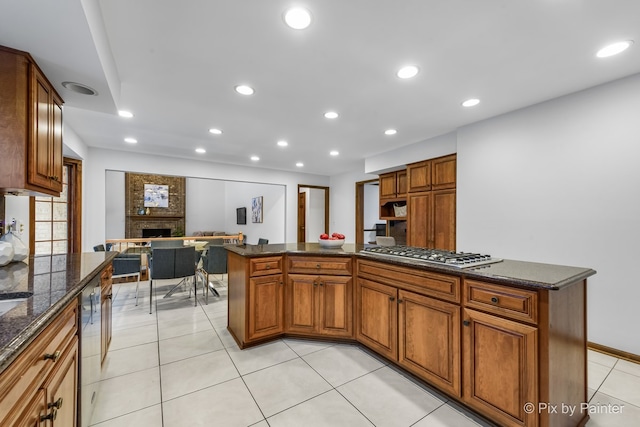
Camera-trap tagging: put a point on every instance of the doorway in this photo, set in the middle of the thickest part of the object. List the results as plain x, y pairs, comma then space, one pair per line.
313, 212
367, 211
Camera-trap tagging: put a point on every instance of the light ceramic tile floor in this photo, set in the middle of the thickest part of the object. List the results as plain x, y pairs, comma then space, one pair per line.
180, 367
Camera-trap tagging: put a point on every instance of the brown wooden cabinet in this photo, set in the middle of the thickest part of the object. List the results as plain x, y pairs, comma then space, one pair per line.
419, 176
266, 306
443, 172
319, 295
42, 383
393, 184
431, 219
106, 305
398, 317
500, 363
31, 119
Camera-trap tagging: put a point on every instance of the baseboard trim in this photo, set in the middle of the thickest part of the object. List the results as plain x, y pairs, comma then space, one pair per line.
613, 352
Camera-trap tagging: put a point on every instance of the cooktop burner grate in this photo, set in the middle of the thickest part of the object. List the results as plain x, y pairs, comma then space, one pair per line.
435, 256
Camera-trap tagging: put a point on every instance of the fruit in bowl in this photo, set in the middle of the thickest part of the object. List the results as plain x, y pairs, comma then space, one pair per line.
336, 240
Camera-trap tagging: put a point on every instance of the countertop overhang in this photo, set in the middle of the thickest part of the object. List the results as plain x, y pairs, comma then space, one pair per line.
524, 274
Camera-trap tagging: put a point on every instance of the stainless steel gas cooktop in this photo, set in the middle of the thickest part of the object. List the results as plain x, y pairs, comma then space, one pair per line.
434, 256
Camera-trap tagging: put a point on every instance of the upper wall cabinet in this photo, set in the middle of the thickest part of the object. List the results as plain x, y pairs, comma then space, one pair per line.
434, 174
31, 123
393, 185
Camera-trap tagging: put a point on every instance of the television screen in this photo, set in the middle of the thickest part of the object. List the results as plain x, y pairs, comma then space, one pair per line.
241, 215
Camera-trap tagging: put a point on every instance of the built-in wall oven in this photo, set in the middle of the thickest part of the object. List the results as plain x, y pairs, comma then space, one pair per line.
90, 330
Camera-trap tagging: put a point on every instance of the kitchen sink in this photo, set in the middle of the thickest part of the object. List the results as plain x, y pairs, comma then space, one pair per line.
10, 300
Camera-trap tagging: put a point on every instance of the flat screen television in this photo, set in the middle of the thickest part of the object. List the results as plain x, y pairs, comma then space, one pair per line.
241, 216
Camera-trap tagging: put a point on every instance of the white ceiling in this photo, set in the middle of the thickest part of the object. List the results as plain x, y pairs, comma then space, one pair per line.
174, 64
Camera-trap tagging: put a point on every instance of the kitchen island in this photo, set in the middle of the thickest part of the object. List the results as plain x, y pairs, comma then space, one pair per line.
39, 335
498, 337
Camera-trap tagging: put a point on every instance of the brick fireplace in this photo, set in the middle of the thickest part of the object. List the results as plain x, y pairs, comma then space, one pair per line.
169, 218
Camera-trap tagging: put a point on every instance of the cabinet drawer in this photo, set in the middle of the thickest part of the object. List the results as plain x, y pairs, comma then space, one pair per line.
341, 266
30, 368
422, 282
265, 266
518, 304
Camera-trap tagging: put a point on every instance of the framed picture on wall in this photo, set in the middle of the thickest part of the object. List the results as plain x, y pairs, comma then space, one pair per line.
241, 216
156, 196
256, 209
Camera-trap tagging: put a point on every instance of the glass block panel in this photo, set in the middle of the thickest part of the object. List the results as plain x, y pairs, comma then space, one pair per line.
65, 175
43, 231
43, 248
59, 231
43, 198
63, 194
60, 211
43, 210
59, 246
58, 262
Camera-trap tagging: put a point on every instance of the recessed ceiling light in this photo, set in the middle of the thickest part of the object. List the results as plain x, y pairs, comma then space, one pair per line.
126, 114
131, 140
282, 143
331, 115
255, 158
201, 150
244, 90
79, 88
299, 164
614, 49
215, 131
297, 18
471, 102
334, 152
407, 72
390, 132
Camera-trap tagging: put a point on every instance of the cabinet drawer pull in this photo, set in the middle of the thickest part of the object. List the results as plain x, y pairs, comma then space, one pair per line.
392, 299
54, 357
50, 416
317, 265
268, 267
57, 404
494, 300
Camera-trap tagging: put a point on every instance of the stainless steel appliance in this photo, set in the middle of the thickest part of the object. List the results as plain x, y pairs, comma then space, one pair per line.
90, 371
431, 256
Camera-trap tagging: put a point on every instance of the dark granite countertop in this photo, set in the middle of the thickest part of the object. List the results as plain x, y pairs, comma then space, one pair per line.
54, 281
508, 272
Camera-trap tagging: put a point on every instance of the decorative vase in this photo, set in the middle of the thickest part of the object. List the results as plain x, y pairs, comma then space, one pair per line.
148, 211
20, 251
6, 253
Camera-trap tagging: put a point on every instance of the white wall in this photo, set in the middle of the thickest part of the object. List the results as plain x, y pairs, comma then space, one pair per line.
115, 196
371, 212
99, 160
274, 221
558, 183
206, 206
314, 220
342, 202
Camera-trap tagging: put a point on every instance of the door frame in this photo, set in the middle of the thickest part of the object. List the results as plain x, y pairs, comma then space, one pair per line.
360, 209
326, 207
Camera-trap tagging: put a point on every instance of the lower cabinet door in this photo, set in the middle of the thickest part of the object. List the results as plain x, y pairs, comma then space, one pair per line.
334, 306
376, 318
500, 368
62, 389
266, 311
35, 412
301, 303
429, 339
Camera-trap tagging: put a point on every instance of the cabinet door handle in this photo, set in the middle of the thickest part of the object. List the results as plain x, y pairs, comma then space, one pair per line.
110, 296
50, 416
494, 300
317, 265
281, 282
54, 357
392, 298
466, 322
315, 283
268, 267
399, 301
57, 404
